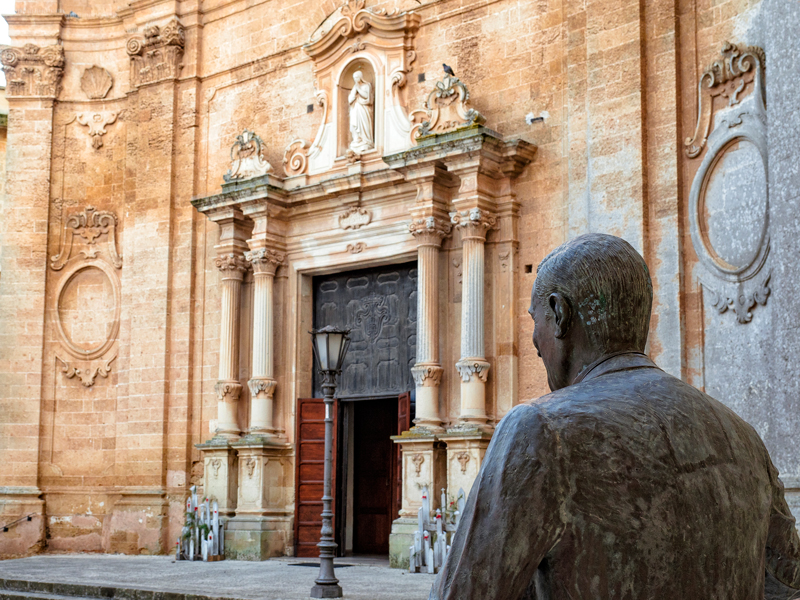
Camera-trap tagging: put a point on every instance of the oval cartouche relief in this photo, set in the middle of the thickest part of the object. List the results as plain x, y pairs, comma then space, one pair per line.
87, 311
733, 208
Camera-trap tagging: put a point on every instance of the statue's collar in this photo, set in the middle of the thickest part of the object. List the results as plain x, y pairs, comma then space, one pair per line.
615, 361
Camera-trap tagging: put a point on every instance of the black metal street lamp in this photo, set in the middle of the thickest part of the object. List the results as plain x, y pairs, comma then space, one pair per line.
330, 345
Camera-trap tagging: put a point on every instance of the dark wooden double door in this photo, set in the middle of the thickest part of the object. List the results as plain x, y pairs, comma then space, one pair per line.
379, 307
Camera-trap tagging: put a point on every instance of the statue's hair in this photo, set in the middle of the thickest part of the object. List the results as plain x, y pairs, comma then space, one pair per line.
607, 284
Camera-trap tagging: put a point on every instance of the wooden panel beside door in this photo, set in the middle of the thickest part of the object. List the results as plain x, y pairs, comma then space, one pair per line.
309, 474
403, 424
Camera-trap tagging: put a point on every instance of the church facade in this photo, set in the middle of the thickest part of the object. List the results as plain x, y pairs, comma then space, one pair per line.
193, 186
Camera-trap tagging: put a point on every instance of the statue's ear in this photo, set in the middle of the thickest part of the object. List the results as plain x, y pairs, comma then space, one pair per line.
562, 313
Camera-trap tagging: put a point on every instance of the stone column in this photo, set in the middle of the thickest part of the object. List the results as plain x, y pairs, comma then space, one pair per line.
232, 265
262, 383
427, 372
473, 366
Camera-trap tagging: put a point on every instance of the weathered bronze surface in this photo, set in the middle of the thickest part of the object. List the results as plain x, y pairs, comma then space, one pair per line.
624, 482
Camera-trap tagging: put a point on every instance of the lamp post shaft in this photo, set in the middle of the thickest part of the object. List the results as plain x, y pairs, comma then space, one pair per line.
327, 586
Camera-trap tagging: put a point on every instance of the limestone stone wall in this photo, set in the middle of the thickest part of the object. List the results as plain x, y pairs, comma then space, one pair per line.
101, 450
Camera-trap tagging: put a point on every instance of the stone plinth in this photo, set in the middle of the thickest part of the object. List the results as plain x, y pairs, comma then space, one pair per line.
466, 447
262, 527
220, 474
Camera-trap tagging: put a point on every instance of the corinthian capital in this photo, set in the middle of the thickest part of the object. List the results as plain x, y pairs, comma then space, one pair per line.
429, 231
265, 260
427, 375
473, 222
231, 264
228, 391
469, 368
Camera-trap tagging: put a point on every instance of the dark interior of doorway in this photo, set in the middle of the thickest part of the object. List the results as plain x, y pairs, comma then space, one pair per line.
369, 472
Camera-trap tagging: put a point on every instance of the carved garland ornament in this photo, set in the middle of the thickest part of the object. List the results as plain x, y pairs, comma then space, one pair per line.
354, 217
33, 71
445, 110
158, 56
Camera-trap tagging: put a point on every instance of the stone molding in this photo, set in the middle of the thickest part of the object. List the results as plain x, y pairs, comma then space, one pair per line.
158, 55
247, 158
468, 368
473, 223
727, 77
265, 261
32, 71
429, 231
96, 122
261, 386
96, 82
427, 375
228, 391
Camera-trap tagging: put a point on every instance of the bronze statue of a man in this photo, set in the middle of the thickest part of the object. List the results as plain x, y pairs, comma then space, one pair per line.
624, 482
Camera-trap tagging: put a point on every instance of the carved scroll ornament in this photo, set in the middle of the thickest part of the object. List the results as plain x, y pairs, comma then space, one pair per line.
726, 77
89, 225
33, 71
247, 158
158, 56
445, 110
96, 122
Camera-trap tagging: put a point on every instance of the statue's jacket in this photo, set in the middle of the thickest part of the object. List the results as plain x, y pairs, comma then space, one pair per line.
629, 485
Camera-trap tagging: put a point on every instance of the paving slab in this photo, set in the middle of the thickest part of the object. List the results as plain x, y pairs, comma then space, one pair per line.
157, 577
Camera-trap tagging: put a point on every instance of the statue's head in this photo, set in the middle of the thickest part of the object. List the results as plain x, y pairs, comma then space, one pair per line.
358, 76
592, 296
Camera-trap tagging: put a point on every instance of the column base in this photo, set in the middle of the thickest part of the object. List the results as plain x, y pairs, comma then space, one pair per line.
265, 477
258, 538
220, 474
400, 540
466, 448
424, 465
473, 372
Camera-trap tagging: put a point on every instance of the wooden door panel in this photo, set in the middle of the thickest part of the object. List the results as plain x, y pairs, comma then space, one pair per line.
403, 424
309, 473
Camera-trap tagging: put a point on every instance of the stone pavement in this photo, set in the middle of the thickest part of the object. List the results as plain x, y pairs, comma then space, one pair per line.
160, 578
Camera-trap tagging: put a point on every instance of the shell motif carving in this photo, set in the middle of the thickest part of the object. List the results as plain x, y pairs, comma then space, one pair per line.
96, 82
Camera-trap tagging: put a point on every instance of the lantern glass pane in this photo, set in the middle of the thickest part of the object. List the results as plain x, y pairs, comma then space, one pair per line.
334, 346
322, 350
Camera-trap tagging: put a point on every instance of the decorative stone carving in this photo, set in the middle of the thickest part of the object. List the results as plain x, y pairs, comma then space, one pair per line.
96, 122
726, 77
232, 263
86, 375
504, 260
250, 465
355, 217
96, 82
33, 71
158, 56
742, 303
418, 459
216, 464
261, 386
429, 230
427, 375
354, 39
228, 391
265, 260
246, 158
729, 197
88, 225
469, 368
463, 459
446, 109
356, 248
474, 222
372, 314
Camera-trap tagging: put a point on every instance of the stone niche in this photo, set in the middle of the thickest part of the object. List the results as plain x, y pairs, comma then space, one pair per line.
379, 45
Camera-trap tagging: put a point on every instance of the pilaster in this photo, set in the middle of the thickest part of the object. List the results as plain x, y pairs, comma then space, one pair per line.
220, 474
465, 453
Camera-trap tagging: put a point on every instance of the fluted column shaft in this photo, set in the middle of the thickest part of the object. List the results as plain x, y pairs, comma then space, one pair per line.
228, 388
262, 383
472, 366
427, 371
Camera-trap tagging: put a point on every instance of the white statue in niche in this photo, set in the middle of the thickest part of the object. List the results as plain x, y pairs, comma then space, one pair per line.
361, 102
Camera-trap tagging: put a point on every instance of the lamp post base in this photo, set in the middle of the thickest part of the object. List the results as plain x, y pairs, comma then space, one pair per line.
328, 590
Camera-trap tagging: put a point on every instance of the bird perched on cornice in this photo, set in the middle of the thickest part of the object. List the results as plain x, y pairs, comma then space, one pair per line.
448, 70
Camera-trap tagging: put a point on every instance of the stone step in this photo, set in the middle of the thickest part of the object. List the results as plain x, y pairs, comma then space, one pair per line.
16, 589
